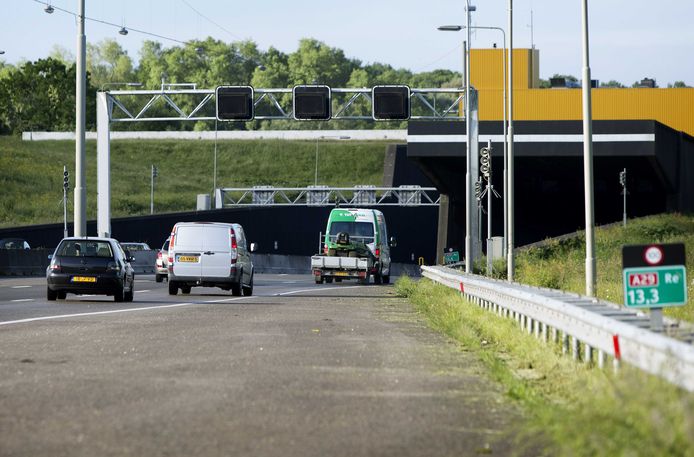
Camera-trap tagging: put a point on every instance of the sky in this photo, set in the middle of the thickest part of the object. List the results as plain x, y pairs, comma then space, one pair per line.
629, 39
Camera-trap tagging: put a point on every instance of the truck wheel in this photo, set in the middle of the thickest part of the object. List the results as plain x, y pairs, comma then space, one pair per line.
61, 295
185, 290
328, 280
173, 288
377, 278
158, 277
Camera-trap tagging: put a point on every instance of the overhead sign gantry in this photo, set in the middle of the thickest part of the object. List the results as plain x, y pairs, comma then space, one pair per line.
246, 103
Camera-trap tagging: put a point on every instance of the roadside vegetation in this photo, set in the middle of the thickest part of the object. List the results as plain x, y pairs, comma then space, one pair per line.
571, 409
31, 173
561, 264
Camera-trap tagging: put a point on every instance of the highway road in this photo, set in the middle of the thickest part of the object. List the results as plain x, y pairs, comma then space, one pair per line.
295, 370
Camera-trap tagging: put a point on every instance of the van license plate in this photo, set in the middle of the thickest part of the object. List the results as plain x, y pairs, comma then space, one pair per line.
83, 279
188, 258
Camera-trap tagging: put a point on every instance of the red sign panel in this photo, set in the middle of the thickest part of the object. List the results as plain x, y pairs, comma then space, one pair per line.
646, 279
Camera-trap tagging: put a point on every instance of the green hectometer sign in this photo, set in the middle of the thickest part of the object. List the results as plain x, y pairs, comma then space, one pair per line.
655, 287
451, 257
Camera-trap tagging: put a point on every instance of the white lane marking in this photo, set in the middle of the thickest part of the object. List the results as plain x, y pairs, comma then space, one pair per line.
314, 290
22, 299
147, 308
289, 282
97, 313
225, 299
20, 287
114, 311
283, 274
141, 291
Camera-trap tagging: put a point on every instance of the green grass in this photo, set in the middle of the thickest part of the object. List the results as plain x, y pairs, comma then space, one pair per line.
571, 408
31, 172
561, 264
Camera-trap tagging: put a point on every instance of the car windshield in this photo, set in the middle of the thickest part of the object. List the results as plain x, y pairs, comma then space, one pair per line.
82, 248
361, 231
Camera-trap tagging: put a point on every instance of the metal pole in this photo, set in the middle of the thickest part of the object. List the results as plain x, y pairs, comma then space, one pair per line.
315, 177
489, 212
468, 154
214, 178
65, 234
588, 161
509, 167
505, 234
151, 192
80, 194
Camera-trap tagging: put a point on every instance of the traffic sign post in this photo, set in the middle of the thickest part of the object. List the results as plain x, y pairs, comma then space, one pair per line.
654, 277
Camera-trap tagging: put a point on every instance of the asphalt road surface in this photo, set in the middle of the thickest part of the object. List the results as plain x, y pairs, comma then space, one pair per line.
295, 370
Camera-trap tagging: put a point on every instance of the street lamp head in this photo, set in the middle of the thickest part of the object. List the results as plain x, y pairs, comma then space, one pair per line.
123, 31
49, 9
451, 28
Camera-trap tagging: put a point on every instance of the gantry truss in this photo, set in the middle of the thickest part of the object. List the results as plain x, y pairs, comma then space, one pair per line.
230, 197
199, 104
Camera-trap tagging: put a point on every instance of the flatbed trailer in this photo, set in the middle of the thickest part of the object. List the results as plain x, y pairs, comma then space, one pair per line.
328, 268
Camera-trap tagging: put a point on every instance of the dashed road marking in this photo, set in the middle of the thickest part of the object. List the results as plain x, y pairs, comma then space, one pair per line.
22, 299
20, 287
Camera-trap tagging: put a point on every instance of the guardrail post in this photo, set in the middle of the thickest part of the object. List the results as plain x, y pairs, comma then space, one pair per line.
601, 359
564, 343
574, 348
588, 354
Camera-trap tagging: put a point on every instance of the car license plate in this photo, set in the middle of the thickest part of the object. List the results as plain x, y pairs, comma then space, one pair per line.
188, 258
340, 273
83, 279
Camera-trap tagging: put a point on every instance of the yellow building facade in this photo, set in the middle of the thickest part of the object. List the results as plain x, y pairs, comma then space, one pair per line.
672, 107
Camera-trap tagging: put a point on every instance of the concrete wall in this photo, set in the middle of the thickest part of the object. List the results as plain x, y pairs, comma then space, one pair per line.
293, 135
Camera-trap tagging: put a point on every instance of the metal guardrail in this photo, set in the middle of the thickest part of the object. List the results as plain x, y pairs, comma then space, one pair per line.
579, 323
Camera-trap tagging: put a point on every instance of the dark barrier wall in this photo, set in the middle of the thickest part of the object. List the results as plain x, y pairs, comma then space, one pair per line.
277, 230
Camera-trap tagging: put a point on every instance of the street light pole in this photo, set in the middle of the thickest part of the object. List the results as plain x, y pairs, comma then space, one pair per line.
509, 166
588, 161
80, 120
468, 152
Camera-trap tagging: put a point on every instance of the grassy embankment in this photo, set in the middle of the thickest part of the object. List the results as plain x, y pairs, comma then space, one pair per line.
571, 409
31, 172
561, 264
574, 409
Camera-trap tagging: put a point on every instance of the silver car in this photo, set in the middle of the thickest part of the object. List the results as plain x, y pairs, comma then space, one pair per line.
162, 263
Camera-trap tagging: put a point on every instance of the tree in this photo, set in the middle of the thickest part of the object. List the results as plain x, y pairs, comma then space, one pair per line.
678, 85
108, 62
41, 96
316, 63
612, 84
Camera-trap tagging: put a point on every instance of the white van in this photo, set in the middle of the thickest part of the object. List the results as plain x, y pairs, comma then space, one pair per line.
210, 254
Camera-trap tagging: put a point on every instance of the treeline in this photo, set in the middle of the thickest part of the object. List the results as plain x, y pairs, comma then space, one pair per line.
40, 96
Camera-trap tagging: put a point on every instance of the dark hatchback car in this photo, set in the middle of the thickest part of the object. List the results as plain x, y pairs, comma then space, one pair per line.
90, 266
